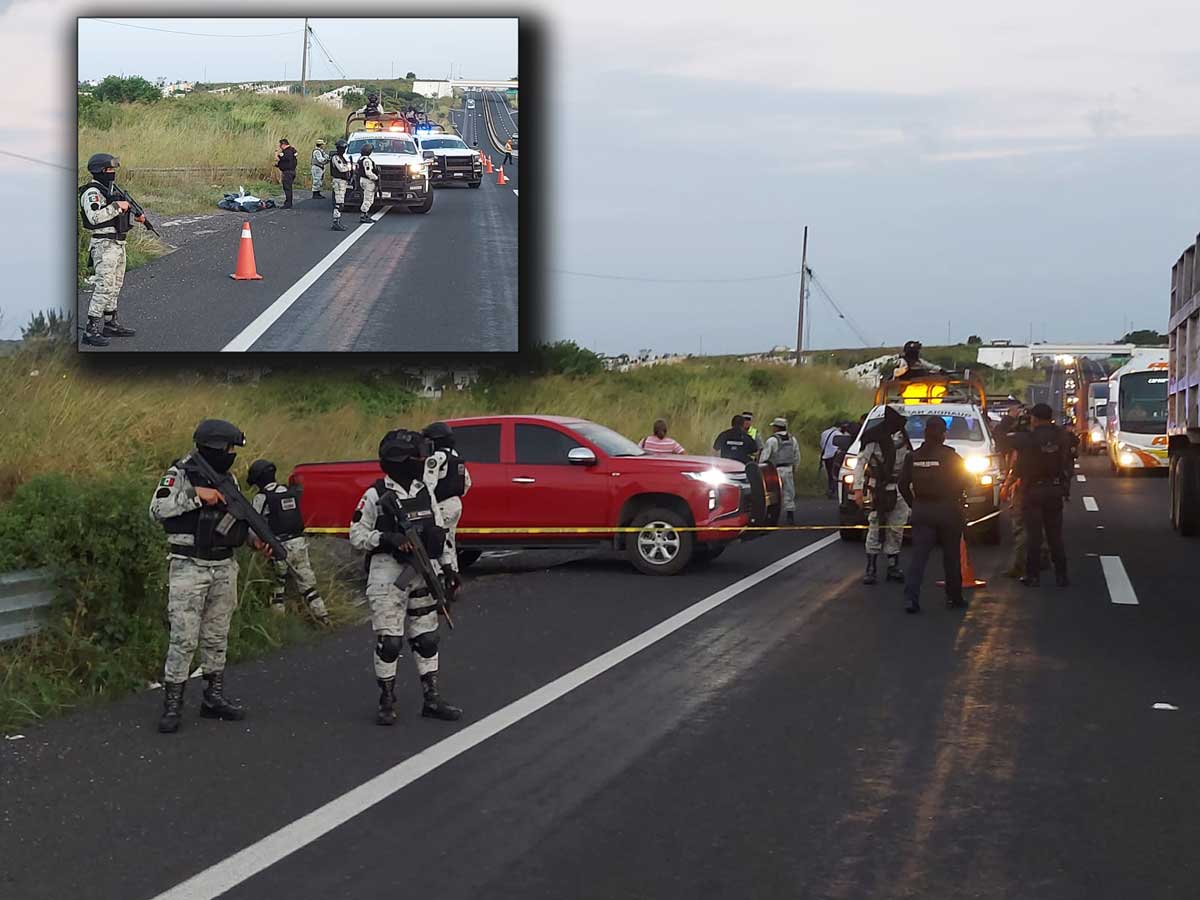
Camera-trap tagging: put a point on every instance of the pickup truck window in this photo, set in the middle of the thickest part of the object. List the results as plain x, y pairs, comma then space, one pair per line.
478, 443
540, 446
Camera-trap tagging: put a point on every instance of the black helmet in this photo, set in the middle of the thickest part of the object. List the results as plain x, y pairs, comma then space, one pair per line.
440, 433
912, 350
366, 149
98, 162
400, 445
340, 146
218, 434
262, 472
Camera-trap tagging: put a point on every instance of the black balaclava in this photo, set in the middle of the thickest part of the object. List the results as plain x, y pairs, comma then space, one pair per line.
105, 178
219, 459
404, 472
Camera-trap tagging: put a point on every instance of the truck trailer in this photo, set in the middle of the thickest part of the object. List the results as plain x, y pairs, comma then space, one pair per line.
1183, 393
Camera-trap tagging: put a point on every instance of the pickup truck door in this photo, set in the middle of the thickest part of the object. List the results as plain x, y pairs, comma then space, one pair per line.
487, 501
547, 489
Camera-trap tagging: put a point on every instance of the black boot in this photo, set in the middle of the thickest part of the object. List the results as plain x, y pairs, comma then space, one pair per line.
871, 576
435, 707
365, 218
113, 328
93, 334
894, 572
1031, 581
215, 706
914, 607
337, 225
791, 517
317, 195
387, 701
1061, 579
172, 706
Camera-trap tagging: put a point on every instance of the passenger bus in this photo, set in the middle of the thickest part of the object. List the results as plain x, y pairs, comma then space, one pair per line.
1097, 416
1136, 430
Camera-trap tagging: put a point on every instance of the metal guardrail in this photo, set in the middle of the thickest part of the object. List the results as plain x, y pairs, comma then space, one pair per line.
25, 599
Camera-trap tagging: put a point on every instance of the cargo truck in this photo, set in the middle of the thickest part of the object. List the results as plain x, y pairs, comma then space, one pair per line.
1183, 393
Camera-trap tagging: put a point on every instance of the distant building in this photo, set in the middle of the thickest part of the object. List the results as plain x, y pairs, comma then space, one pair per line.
273, 89
337, 97
177, 88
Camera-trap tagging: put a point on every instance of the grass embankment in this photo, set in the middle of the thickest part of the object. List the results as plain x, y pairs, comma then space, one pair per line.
84, 448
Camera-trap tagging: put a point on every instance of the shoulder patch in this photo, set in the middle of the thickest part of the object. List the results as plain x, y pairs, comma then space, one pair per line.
361, 503
167, 481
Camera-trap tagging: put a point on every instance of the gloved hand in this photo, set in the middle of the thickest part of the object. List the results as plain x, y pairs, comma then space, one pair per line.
394, 541
452, 583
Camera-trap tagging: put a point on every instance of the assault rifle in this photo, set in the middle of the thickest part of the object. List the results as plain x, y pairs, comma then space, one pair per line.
420, 556
242, 509
134, 207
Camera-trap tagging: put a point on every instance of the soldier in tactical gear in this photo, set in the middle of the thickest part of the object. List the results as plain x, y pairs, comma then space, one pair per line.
109, 220
783, 451
1044, 464
368, 177
447, 476
202, 537
280, 505
341, 172
401, 603
885, 449
911, 364
320, 159
933, 482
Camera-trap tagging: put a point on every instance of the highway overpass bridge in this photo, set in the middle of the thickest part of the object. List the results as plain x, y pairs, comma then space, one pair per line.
1022, 356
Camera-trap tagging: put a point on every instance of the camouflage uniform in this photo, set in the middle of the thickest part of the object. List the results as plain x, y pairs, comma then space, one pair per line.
407, 611
783, 452
297, 557
202, 592
107, 249
319, 161
340, 165
893, 521
370, 176
437, 468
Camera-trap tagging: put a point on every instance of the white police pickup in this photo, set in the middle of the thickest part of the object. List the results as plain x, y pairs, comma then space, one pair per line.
453, 161
404, 170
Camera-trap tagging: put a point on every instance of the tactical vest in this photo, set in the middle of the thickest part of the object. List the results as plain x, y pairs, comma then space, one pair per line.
283, 512
933, 478
419, 510
1045, 455
788, 454
454, 482
340, 174
361, 167
213, 528
121, 224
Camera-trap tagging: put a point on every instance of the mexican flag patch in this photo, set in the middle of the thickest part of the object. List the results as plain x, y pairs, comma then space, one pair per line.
167, 481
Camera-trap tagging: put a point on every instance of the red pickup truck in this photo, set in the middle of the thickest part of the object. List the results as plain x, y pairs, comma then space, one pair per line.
550, 472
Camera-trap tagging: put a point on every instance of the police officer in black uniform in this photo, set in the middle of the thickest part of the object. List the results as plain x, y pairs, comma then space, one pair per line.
1044, 463
932, 481
736, 442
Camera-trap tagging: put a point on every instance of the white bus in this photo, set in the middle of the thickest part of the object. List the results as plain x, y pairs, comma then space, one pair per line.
1136, 430
1097, 416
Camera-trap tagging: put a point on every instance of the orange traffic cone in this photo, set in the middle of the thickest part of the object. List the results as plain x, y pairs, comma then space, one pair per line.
245, 261
500, 179
487, 164
968, 571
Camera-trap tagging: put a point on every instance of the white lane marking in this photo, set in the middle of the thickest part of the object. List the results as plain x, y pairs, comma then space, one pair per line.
1078, 466
1089, 503
1165, 706
271, 314
1081, 478
232, 871
1120, 588
514, 190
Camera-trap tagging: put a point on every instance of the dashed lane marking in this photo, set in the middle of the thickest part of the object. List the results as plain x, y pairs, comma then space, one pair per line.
1081, 478
248, 862
271, 314
1089, 503
1120, 588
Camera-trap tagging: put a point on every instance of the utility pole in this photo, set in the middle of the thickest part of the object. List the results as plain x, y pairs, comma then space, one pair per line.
304, 64
803, 291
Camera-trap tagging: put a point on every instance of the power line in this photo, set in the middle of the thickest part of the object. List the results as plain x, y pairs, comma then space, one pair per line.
612, 277
40, 162
192, 33
841, 315
328, 55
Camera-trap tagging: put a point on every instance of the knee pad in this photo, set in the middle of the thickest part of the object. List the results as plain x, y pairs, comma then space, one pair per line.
425, 645
387, 647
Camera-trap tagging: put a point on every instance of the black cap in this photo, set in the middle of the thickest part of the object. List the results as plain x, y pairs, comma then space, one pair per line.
340, 145
1042, 411
262, 472
218, 434
399, 445
367, 149
935, 425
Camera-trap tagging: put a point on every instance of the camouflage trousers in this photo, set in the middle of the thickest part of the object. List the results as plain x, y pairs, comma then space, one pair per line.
1016, 567
451, 513
306, 579
787, 483
368, 188
318, 176
893, 526
339, 196
109, 259
201, 600
393, 608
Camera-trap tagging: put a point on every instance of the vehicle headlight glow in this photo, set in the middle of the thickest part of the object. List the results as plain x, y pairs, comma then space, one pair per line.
850, 462
1126, 458
976, 463
1097, 434
416, 168
712, 477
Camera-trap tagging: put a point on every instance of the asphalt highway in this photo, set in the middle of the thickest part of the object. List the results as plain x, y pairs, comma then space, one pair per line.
446, 281
795, 736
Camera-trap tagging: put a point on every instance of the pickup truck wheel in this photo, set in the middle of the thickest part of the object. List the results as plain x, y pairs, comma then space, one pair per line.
474, 184
467, 558
658, 549
424, 207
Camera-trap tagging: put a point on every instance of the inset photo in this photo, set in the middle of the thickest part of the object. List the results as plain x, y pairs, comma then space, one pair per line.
298, 185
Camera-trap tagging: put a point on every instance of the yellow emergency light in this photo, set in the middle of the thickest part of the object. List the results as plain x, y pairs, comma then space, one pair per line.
922, 393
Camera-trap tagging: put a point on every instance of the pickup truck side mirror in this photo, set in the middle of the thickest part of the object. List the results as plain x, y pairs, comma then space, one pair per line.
843, 441
427, 154
581, 456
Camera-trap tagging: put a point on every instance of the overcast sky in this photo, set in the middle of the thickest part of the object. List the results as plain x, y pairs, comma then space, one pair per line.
977, 170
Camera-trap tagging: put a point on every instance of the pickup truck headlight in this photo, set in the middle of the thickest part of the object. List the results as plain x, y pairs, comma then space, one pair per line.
977, 463
711, 477
416, 168
1097, 434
